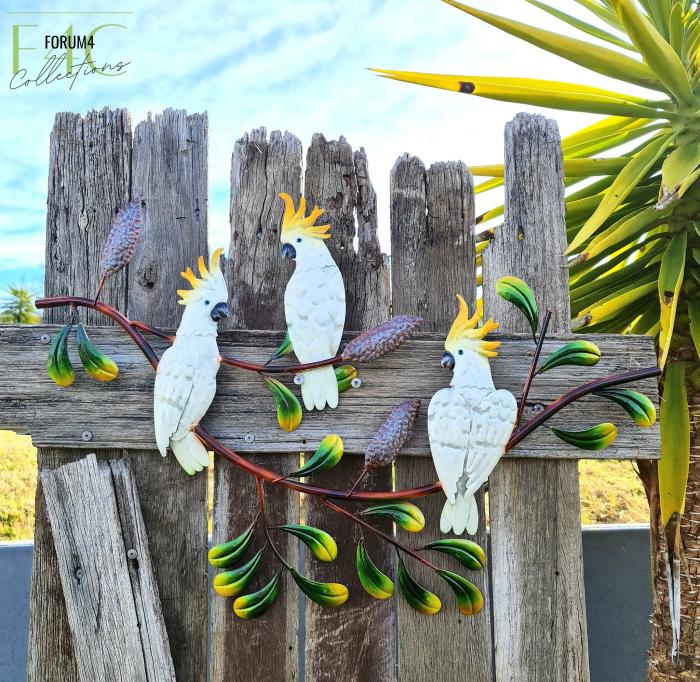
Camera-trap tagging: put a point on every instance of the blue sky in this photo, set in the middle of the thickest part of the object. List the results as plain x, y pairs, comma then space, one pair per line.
297, 65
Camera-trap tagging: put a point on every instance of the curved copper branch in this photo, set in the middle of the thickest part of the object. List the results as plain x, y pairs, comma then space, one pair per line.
331, 493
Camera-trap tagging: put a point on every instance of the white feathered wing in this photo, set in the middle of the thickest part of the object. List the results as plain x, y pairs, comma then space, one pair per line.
466, 442
180, 400
314, 304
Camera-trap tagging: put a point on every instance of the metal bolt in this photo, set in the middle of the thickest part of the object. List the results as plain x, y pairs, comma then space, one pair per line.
86, 436
356, 382
131, 553
537, 407
79, 573
298, 379
45, 338
249, 438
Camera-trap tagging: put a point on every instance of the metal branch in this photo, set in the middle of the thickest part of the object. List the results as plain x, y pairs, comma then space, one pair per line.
361, 496
533, 367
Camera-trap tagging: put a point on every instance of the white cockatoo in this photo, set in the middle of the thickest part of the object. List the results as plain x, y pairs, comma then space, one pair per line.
470, 422
314, 301
186, 376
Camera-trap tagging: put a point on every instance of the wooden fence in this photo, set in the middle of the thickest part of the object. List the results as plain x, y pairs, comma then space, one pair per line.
534, 625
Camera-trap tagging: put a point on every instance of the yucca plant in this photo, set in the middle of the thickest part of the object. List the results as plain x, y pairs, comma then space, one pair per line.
633, 223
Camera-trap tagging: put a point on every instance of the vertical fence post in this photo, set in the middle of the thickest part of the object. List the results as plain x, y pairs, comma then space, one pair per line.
170, 176
356, 642
432, 247
265, 648
89, 180
537, 571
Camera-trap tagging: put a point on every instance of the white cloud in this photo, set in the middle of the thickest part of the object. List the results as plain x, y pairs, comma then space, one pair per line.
287, 64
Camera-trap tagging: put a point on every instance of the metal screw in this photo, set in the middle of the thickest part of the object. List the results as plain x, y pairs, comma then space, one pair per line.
79, 573
249, 438
298, 379
86, 436
537, 407
45, 338
131, 553
356, 382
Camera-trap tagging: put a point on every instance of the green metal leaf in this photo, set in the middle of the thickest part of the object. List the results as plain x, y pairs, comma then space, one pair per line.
325, 594
468, 553
285, 347
596, 438
327, 455
469, 598
515, 291
372, 579
636, 404
404, 514
228, 553
320, 543
288, 406
232, 583
58, 365
96, 364
582, 353
344, 374
675, 443
255, 604
418, 597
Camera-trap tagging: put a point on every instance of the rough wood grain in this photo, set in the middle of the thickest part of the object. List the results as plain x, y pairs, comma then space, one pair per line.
432, 246
56, 415
149, 613
109, 640
361, 635
170, 176
89, 180
266, 648
537, 570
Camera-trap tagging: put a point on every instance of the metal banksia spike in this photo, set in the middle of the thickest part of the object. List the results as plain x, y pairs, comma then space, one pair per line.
122, 239
380, 340
392, 435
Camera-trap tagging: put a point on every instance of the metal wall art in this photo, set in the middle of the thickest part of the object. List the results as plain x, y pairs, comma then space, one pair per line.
471, 424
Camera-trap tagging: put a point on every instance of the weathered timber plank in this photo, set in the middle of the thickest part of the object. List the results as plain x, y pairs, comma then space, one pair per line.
266, 648
89, 179
361, 634
57, 416
432, 245
170, 176
537, 568
94, 574
156, 650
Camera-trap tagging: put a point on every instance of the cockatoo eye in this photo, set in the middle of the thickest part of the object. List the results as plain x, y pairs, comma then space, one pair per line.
206, 302
298, 240
460, 352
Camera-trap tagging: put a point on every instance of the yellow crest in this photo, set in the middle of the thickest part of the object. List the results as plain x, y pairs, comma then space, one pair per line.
294, 220
464, 328
205, 275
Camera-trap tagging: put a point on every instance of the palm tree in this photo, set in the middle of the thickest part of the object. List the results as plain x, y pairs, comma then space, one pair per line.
18, 307
633, 223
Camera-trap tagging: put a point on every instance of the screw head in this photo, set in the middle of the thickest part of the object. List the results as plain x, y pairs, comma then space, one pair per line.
45, 338
131, 553
298, 379
249, 438
86, 436
79, 573
356, 382
537, 407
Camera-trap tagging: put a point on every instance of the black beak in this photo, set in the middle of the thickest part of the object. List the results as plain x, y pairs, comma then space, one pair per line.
288, 251
219, 312
448, 360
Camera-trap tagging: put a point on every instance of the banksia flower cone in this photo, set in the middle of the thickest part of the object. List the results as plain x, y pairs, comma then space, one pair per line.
392, 435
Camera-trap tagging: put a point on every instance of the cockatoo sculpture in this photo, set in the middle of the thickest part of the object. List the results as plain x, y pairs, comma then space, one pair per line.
470, 422
314, 301
186, 376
